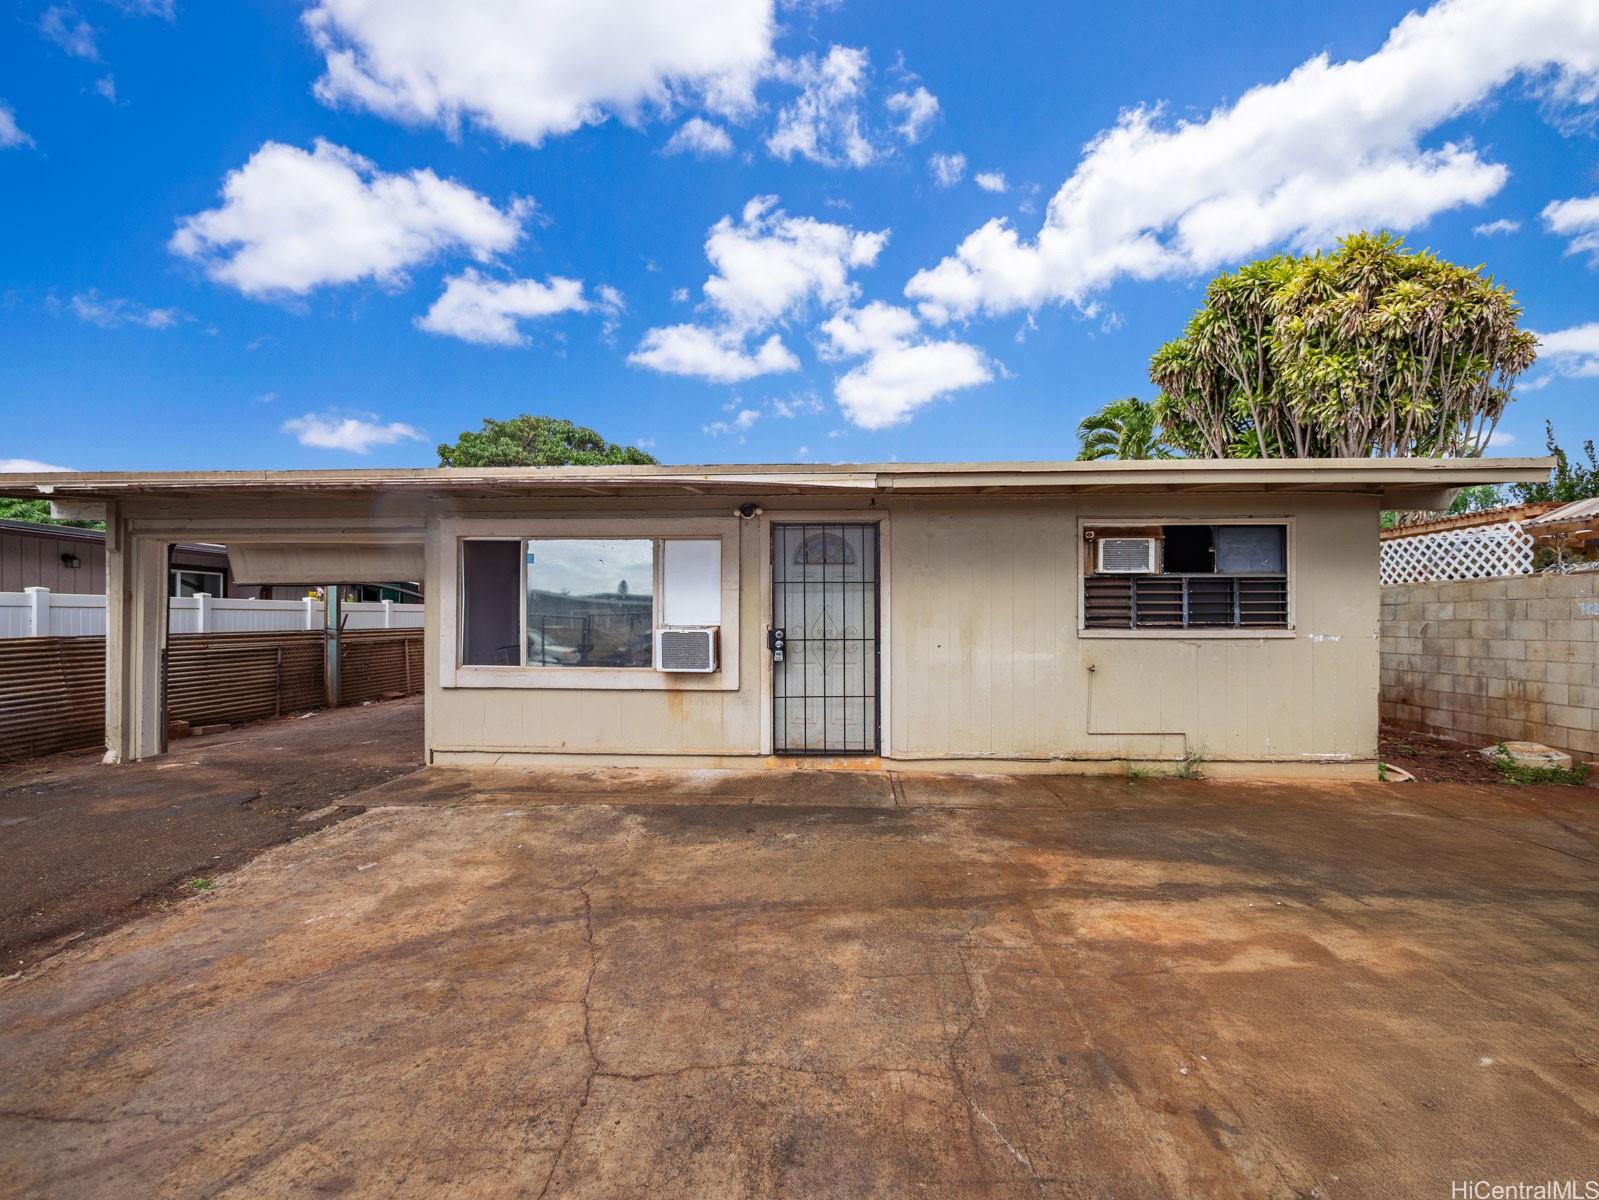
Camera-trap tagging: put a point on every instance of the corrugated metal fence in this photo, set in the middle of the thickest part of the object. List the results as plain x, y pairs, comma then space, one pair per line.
52, 690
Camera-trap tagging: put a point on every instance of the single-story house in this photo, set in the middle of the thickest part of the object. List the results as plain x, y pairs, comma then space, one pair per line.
72, 559
956, 617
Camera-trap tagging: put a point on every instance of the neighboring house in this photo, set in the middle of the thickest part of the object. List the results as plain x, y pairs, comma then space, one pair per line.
1571, 533
985, 617
72, 560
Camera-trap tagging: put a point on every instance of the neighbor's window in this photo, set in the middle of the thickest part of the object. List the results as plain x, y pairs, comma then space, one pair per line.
590, 603
191, 583
1186, 576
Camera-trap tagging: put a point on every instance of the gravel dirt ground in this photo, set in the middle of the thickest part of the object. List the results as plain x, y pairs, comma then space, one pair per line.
84, 846
1436, 760
624, 984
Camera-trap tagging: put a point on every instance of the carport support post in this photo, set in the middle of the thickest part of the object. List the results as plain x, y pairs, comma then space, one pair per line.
135, 636
330, 641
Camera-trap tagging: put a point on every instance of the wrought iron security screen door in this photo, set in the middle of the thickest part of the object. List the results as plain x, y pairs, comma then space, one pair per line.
825, 648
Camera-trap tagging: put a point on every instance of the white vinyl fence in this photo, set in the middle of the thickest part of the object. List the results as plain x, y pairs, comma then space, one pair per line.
39, 612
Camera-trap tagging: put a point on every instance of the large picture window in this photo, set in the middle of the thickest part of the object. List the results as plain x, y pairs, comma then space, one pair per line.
590, 603
582, 602
1185, 576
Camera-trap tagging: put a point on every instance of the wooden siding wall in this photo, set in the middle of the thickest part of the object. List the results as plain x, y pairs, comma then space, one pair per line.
52, 690
34, 560
985, 661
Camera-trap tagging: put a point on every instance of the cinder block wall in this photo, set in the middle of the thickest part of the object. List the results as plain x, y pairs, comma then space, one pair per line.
1491, 660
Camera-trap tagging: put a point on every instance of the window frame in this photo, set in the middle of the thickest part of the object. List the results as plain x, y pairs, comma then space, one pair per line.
450, 533
175, 571
1084, 565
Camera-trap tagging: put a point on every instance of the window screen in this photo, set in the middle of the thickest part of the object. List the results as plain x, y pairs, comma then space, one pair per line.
1251, 550
491, 618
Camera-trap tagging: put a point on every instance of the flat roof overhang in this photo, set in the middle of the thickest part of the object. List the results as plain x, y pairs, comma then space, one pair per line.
1401, 482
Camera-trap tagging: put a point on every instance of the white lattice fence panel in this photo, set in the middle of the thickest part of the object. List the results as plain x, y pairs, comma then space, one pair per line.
1484, 552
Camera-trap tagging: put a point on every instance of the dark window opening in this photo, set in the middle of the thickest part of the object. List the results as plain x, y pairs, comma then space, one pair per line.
1189, 549
491, 604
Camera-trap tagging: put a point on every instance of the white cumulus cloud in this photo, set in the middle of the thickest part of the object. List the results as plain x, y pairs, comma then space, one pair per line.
716, 355
1577, 220
769, 264
1571, 352
292, 220
916, 111
530, 69
991, 181
824, 122
358, 434
701, 138
1331, 148
1495, 228
478, 309
769, 267
903, 369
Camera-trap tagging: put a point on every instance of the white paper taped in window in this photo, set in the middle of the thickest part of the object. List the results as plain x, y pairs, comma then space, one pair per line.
691, 582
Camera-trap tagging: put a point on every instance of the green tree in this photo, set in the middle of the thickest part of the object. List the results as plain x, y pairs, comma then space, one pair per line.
1369, 350
528, 441
1478, 498
38, 511
1124, 428
1567, 482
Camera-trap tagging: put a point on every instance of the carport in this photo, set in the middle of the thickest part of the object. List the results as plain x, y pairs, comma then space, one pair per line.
264, 548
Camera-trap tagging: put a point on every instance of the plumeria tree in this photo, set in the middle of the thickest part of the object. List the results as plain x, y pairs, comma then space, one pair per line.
1370, 350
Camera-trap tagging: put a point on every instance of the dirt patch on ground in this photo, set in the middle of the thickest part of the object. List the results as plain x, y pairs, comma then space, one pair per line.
84, 846
1436, 760
602, 985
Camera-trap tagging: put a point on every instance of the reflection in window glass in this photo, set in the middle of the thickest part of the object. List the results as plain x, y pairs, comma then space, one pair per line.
589, 602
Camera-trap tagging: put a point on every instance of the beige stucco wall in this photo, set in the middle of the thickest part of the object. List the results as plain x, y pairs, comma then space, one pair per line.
984, 666
1490, 660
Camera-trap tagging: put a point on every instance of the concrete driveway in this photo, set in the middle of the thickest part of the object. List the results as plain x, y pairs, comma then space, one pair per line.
811, 985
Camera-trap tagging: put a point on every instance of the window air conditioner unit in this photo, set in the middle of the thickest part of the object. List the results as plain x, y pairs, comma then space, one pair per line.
1125, 556
686, 649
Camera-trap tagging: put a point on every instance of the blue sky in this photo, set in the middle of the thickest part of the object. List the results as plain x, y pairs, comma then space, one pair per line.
730, 231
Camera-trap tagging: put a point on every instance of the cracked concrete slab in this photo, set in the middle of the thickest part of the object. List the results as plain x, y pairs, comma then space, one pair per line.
848, 987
